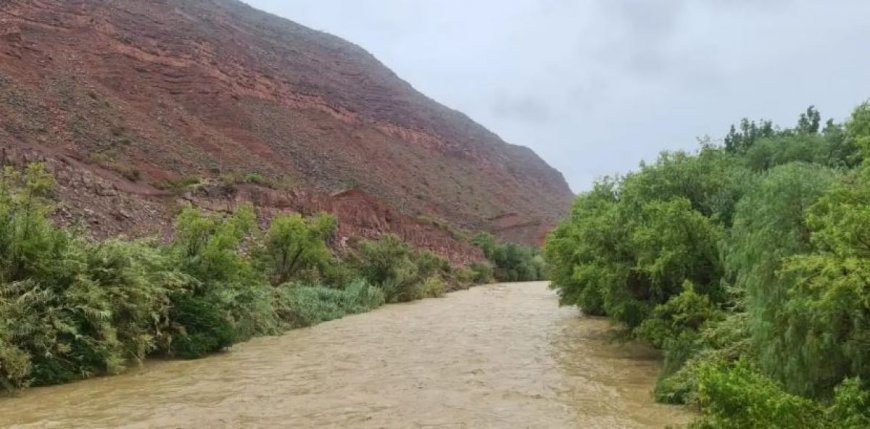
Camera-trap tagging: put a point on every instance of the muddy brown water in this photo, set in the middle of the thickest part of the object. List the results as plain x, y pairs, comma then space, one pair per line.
497, 356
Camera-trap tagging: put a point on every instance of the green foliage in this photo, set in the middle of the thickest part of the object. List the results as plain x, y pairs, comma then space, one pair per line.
388, 263
131, 282
743, 138
405, 275
29, 245
824, 324
712, 181
587, 252
486, 242
430, 264
72, 308
256, 179
739, 397
302, 306
632, 244
829, 148
687, 312
512, 262
224, 285
718, 342
851, 406
58, 321
205, 326
433, 287
747, 264
674, 244
763, 146
481, 273
769, 227
858, 129
294, 244
465, 277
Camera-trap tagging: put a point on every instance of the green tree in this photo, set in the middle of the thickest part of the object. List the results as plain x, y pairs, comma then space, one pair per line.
225, 300
293, 244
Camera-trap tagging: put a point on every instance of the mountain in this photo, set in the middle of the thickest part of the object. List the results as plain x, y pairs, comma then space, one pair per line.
138, 106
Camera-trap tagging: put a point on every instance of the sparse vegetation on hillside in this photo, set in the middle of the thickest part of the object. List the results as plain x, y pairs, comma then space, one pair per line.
748, 264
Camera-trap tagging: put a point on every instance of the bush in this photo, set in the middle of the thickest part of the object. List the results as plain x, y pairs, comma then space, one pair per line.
433, 287
205, 326
719, 343
15, 364
294, 245
302, 306
430, 264
387, 264
740, 398
256, 179
512, 262
687, 312
851, 407
465, 277
481, 273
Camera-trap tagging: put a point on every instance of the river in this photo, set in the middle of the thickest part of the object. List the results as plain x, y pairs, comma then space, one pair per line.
496, 356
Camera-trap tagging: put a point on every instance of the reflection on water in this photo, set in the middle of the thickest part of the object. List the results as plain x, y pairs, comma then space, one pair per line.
495, 356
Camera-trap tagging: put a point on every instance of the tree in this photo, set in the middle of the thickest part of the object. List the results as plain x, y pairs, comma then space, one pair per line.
809, 122
293, 244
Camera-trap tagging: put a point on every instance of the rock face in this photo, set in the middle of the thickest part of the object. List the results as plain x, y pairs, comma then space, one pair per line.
149, 95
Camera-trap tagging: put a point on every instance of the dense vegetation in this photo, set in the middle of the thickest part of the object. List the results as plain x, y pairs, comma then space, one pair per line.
71, 307
747, 263
511, 262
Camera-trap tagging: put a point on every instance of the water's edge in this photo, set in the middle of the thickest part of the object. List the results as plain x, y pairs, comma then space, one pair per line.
492, 356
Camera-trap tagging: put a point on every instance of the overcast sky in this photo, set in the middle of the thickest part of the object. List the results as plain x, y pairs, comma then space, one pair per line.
594, 86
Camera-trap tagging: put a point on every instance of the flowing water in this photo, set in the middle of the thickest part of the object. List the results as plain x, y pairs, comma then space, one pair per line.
498, 356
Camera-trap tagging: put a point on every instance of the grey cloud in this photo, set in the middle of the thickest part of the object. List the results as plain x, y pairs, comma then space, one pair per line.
594, 86
643, 32
525, 108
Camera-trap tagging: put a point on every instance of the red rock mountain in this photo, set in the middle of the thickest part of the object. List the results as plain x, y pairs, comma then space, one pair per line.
137, 104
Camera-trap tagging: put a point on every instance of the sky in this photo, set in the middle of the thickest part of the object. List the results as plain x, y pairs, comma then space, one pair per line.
596, 86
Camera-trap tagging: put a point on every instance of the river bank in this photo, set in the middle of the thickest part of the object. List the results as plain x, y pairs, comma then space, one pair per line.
492, 356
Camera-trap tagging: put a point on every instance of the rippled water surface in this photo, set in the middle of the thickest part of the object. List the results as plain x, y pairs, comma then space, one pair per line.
498, 356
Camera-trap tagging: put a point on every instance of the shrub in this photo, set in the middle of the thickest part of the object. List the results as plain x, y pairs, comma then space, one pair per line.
256, 179
294, 244
205, 327
851, 406
481, 273
512, 262
301, 306
15, 364
433, 287
465, 277
387, 264
430, 264
739, 398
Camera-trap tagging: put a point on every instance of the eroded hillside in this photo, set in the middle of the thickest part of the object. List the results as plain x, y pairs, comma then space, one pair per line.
146, 103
